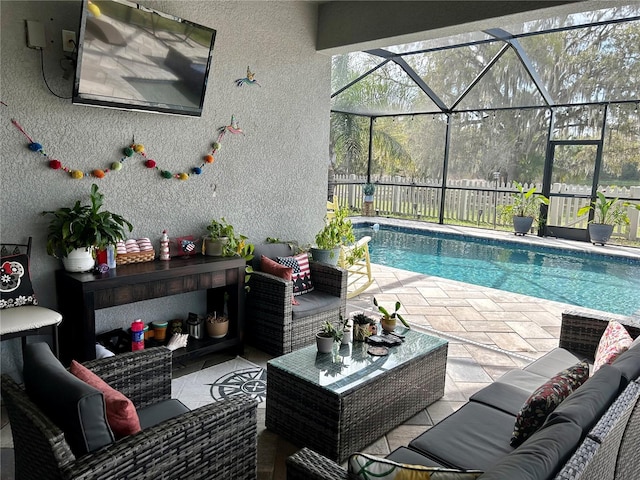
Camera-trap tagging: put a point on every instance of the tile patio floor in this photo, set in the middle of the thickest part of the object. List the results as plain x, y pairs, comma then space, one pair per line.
489, 332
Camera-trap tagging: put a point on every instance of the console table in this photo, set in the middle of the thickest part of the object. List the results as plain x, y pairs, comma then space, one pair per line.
81, 294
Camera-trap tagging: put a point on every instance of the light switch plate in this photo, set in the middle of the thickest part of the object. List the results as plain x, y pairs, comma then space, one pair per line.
35, 35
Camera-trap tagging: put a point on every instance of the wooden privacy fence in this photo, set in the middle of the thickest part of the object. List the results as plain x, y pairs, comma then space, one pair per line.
474, 201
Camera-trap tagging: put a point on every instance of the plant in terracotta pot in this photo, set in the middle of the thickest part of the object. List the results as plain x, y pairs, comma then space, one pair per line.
327, 336
524, 209
388, 320
363, 326
337, 231
74, 233
608, 213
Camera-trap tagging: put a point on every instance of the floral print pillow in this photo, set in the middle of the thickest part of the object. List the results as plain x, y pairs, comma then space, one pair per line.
614, 341
369, 467
545, 399
15, 284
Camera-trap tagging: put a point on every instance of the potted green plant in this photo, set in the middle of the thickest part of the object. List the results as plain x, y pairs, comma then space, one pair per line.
217, 325
368, 190
223, 241
347, 330
337, 231
524, 209
608, 213
363, 326
75, 233
388, 320
326, 337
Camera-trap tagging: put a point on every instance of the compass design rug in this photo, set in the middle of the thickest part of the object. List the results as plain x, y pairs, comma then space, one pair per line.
225, 380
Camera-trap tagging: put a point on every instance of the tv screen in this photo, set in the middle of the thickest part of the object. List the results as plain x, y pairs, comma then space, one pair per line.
136, 58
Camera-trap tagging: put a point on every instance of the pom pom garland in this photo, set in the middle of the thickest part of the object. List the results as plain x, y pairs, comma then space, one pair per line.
129, 152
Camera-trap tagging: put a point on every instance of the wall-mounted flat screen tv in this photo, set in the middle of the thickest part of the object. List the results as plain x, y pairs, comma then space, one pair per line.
135, 58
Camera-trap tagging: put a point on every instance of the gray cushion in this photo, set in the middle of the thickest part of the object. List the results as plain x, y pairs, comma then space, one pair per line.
589, 402
552, 362
502, 396
411, 457
271, 250
159, 412
628, 363
525, 380
539, 457
474, 437
313, 303
75, 407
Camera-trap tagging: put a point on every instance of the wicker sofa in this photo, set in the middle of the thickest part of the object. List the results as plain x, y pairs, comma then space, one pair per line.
276, 326
593, 434
214, 441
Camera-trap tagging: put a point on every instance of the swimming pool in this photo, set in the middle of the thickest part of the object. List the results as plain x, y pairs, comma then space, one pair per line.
593, 281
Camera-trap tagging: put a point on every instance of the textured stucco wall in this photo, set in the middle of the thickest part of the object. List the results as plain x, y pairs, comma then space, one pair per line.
271, 182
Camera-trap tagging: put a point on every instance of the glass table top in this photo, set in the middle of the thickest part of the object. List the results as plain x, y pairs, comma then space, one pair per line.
347, 366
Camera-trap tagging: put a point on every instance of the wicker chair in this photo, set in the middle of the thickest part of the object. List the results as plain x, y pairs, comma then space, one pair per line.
214, 441
276, 326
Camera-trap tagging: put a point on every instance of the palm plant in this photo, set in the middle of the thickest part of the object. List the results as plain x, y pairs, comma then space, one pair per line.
608, 211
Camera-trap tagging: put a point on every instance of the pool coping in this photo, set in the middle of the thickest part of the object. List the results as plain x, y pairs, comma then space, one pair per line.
586, 248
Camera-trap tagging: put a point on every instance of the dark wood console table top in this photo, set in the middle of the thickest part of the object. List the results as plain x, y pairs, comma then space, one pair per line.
81, 294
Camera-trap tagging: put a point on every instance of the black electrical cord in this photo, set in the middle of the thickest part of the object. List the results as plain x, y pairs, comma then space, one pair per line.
45, 78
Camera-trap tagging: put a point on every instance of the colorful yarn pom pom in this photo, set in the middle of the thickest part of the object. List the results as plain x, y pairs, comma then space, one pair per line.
166, 174
209, 159
34, 146
216, 146
77, 174
98, 173
138, 147
197, 170
150, 164
129, 152
55, 164
115, 166
183, 176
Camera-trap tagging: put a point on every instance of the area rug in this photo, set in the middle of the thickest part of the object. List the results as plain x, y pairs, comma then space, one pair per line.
225, 380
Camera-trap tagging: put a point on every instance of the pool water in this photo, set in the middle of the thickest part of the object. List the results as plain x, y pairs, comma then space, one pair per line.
593, 281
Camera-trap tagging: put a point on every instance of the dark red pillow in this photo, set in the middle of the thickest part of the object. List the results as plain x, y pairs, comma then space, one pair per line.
121, 413
274, 268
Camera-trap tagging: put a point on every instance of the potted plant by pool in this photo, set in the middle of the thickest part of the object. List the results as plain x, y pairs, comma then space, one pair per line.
75, 233
608, 213
388, 321
524, 209
368, 190
326, 337
337, 231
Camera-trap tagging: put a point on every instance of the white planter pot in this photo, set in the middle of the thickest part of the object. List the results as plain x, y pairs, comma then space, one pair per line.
347, 336
79, 260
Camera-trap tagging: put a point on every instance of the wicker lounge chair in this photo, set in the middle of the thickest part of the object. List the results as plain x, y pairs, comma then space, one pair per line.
214, 441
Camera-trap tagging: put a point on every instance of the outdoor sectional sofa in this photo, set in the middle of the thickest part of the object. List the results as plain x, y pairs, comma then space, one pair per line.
592, 434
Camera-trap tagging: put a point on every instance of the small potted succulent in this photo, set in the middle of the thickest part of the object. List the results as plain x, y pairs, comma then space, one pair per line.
388, 320
75, 234
363, 326
327, 336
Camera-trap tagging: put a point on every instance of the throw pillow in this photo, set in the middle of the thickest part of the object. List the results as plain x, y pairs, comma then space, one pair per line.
613, 342
274, 268
367, 467
545, 399
121, 413
15, 283
301, 272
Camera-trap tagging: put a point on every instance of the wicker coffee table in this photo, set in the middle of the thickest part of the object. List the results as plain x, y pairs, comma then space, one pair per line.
337, 403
